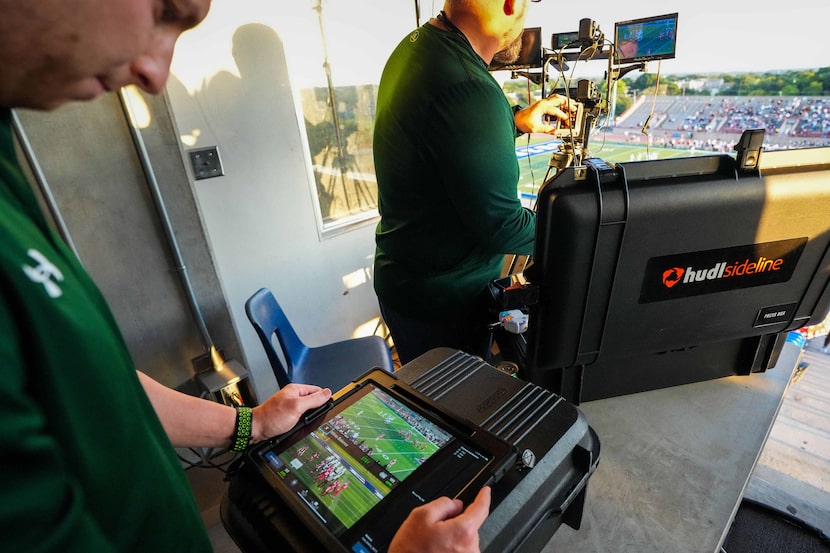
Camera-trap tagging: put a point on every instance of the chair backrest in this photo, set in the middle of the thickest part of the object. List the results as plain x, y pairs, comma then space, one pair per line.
268, 319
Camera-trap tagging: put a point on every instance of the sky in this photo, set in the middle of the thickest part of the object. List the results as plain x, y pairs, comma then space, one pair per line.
712, 35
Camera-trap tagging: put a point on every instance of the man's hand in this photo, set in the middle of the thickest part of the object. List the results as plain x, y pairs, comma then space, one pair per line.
280, 412
532, 118
440, 526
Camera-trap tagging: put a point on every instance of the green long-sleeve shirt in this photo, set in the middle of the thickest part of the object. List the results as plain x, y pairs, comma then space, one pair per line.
84, 462
445, 159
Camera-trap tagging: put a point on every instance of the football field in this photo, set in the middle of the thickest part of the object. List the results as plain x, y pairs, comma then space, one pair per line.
535, 157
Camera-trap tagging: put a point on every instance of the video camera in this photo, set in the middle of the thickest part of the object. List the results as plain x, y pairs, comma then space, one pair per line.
574, 134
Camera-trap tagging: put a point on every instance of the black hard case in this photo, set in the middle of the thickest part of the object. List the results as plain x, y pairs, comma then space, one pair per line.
590, 337
558, 453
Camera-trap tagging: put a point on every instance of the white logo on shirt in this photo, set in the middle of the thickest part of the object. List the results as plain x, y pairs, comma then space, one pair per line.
43, 273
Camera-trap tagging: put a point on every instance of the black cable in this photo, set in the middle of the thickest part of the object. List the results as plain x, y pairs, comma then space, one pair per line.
206, 463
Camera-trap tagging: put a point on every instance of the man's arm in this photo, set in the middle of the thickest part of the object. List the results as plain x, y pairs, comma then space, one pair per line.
194, 422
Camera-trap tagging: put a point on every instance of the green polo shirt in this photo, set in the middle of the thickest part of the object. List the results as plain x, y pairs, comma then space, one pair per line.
445, 159
84, 462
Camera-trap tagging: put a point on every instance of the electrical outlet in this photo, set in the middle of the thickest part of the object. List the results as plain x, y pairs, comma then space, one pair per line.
230, 385
206, 163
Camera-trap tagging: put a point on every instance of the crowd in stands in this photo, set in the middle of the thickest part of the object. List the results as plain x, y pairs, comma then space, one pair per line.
714, 123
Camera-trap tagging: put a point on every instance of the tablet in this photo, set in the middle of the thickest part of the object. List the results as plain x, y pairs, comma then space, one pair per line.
354, 469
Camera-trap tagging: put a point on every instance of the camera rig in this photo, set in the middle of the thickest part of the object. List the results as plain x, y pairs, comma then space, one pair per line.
588, 43
646, 39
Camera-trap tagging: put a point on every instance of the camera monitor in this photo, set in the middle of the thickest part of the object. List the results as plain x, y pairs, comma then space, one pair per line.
646, 39
664, 272
565, 41
530, 55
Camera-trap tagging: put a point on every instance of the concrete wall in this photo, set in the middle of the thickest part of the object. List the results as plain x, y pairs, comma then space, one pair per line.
91, 166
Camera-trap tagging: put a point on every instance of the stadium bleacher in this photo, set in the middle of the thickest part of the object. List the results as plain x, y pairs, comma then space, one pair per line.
715, 123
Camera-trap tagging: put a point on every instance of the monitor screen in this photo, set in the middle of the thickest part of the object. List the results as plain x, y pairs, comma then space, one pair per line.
530, 56
565, 41
664, 272
646, 39
359, 454
353, 472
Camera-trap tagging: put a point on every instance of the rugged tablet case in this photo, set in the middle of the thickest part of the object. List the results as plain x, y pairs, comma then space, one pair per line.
558, 452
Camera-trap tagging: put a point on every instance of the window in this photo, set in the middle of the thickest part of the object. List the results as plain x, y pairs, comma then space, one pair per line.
335, 65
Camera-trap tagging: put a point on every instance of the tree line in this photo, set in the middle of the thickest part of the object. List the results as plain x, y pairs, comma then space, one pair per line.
805, 82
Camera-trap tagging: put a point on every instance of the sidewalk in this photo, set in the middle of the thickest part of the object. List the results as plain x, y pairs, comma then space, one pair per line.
793, 471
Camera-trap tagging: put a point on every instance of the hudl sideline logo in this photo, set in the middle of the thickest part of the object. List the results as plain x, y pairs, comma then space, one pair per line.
720, 270
710, 271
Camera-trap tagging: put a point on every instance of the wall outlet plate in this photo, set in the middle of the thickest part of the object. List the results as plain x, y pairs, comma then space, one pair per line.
206, 163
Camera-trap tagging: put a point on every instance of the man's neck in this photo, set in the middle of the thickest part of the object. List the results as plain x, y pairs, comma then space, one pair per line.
466, 24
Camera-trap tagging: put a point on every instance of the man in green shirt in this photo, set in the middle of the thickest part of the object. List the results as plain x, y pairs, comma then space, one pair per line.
86, 442
444, 148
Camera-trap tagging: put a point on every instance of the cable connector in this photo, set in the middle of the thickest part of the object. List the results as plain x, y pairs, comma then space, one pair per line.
513, 321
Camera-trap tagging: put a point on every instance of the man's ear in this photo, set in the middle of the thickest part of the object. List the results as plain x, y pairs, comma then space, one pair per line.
509, 7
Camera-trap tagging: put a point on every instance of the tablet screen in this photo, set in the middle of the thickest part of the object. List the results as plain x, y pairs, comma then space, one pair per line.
371, 444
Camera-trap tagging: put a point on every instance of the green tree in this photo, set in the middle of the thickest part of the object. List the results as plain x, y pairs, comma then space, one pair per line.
624, 99
517, 91
644, 81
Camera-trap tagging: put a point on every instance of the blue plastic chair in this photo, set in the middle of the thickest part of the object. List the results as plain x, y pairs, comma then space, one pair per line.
332, 366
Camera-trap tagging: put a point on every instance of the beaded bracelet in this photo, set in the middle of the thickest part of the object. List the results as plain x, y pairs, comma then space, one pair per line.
244, 427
